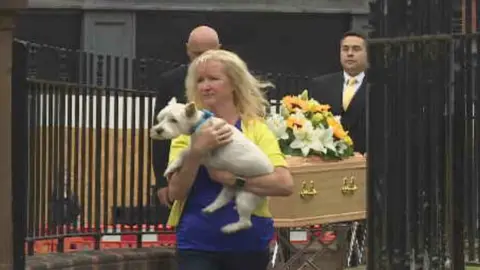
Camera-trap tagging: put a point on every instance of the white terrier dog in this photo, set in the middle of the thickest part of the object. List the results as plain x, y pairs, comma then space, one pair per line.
240, 157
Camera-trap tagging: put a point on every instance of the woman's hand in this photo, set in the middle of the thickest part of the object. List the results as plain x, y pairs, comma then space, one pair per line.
209, 137
222, 177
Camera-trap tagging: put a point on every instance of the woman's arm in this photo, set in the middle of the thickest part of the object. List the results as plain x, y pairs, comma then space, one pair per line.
278, 183
205, 140
180, 182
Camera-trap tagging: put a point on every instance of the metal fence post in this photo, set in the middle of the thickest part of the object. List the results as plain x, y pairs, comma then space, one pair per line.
20, 168
11, 246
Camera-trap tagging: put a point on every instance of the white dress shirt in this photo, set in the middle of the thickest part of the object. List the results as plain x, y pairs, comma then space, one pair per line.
359, 79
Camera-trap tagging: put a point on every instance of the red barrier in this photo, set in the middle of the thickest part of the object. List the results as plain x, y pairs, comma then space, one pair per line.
112, 237
118, 236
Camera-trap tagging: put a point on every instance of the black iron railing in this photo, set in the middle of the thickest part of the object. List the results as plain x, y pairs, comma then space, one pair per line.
423, 147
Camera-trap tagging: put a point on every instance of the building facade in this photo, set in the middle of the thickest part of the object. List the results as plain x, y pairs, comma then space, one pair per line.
293, 36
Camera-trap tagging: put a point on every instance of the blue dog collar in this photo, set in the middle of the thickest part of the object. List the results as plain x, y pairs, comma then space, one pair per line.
206, 115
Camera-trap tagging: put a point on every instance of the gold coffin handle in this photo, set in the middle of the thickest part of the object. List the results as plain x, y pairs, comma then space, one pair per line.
308, 190
349, 186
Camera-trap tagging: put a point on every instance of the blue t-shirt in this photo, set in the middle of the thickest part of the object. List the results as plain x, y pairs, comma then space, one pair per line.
198, 231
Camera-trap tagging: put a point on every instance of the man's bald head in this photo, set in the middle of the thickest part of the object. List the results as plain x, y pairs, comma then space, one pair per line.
201, 39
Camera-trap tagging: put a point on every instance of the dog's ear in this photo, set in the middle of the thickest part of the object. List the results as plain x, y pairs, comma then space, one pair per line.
172, 101
190, 109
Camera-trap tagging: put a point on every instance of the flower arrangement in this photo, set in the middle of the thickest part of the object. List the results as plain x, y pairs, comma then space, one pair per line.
304, 127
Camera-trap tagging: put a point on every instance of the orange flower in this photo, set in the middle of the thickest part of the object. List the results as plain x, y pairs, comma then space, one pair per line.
295, 122
338, 130
332, 122
292, 103
321, 108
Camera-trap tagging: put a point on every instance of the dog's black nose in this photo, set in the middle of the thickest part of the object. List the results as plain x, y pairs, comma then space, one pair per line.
159, 130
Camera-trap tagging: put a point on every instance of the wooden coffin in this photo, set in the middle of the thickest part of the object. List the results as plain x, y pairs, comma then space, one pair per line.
324, 192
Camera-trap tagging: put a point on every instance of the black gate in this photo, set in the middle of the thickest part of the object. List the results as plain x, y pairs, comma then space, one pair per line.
423, 149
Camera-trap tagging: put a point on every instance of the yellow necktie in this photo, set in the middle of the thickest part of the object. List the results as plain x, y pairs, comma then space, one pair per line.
348, 93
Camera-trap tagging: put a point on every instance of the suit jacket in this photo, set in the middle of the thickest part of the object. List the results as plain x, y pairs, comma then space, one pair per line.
328, 89
172, 84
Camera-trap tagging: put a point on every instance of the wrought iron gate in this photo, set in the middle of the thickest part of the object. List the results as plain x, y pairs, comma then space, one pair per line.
423, 141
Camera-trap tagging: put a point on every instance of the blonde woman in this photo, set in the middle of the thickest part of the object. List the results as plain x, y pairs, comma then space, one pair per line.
219, 81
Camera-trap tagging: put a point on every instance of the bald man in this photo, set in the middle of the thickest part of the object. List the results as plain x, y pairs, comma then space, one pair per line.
201, 39
172, 84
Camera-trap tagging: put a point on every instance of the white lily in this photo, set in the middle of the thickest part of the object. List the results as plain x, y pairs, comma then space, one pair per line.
326, 139
306, 139
284, 111
278, 126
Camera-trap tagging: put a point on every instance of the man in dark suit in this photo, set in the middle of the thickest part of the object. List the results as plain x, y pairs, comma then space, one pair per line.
172, 84
345, 91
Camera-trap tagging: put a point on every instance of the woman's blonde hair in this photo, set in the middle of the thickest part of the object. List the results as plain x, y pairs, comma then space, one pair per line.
248, 91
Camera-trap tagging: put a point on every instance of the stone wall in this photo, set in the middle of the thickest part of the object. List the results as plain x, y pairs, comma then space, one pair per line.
112, 259
300, 6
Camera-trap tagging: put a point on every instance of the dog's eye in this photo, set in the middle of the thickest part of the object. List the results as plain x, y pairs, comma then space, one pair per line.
173, 120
